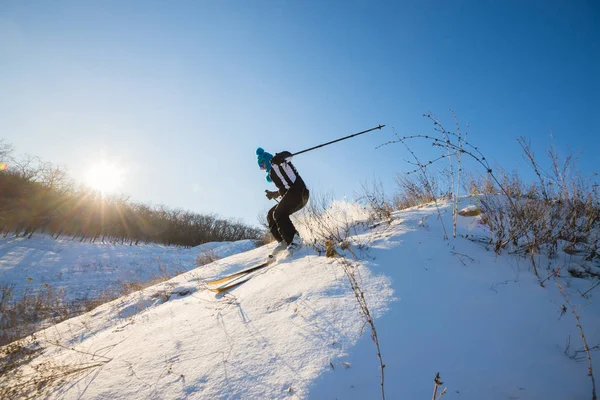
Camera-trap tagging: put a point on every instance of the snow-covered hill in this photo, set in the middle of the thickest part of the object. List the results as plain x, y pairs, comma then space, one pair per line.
295, 330
83, 269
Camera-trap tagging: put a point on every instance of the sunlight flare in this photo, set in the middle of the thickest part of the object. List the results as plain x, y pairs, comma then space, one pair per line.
105, 178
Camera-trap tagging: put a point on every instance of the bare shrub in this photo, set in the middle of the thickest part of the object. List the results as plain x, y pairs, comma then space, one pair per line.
13, 356
206, 258
265, 238
420, 187
34, 308
6, 150
22, 378
374, 198
452, 145
415, 189
560, 211
480, 185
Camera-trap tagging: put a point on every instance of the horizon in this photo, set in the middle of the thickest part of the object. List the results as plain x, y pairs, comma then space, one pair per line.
178, 98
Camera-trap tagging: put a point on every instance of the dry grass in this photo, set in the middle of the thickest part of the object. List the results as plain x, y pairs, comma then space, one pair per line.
583, 338
22, 316
21, 377
36, 309
559, 212
373, 197
415, 190
207, 257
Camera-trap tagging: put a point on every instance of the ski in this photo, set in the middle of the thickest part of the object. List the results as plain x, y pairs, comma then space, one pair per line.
239, 273
232, 283
227, 287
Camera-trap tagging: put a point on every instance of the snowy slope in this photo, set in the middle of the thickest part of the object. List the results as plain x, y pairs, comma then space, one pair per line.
82, 269
295, 331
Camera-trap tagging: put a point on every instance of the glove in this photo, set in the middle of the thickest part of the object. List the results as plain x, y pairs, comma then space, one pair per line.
280, 157
271, 194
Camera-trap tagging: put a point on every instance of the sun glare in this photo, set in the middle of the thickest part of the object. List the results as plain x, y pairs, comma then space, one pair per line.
105, 178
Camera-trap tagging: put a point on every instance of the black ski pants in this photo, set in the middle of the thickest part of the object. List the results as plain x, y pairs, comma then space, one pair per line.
278, 217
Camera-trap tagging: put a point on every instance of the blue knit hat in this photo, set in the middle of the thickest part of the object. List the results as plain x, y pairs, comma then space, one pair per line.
264, 157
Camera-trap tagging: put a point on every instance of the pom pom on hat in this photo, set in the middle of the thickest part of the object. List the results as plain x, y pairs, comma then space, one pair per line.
263, 156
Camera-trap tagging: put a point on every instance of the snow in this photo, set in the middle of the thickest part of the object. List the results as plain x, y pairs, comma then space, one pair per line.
295, 330
83, 269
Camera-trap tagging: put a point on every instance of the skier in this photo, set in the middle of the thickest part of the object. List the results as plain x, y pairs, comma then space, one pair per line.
294, 196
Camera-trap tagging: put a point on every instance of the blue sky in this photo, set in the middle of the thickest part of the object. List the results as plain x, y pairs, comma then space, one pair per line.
179, 94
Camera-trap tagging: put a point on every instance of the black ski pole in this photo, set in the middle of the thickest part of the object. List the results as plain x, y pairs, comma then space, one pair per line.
338, 140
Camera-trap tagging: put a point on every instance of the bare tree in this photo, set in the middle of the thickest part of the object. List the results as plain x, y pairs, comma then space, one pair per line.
5, 151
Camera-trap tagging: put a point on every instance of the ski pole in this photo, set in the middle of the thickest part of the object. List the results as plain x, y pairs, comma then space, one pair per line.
338, 140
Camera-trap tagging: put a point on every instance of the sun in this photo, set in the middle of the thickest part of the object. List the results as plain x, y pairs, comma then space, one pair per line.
105, 178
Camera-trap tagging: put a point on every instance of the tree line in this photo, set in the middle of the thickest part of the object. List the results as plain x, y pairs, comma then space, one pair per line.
37, 196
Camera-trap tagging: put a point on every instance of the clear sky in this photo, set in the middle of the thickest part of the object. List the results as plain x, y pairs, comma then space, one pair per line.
178, 94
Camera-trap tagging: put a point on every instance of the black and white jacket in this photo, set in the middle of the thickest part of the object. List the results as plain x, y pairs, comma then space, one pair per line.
283, 173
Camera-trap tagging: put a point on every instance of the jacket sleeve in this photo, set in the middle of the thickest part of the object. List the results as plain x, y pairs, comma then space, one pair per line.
281, 157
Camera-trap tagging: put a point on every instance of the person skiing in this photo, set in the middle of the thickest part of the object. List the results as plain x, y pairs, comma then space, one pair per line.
294, 196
